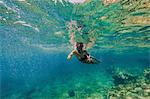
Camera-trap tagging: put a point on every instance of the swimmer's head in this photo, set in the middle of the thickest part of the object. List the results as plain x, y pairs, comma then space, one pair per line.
79, 45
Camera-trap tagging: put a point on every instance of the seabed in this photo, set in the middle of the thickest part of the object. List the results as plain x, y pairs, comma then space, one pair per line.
120, 85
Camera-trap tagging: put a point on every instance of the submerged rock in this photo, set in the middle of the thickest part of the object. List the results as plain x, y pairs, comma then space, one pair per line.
28, 94
138, 89
71, 93
123, 78
147, 74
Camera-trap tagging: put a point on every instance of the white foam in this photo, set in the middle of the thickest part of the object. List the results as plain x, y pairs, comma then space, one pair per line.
61, 1
76, 1
37, 29
19, 22
59, 34
25, 1
8, 8
71, 1
22, 0
27, 24
2, 3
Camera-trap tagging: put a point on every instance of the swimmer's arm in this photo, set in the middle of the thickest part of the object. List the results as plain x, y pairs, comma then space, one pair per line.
70, 55
74, 52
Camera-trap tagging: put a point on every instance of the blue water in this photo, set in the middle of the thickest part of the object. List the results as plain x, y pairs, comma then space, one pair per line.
24, 69
33, 55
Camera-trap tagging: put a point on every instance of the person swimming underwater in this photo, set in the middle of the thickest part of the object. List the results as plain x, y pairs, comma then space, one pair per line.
79, 47
81, 54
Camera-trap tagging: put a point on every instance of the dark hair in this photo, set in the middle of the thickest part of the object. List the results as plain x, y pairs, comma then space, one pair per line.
79, 46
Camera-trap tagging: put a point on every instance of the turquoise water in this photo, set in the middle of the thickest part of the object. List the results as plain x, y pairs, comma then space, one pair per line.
34, 36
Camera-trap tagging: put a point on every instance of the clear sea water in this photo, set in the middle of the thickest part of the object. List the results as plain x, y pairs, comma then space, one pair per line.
35, 43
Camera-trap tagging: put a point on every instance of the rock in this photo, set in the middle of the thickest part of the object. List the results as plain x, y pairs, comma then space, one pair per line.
133, 91
147, 97
128, 93
88, 91
144, 86
147, 91
138, 89
71, 93
134, 96
147, 74
113, 97
138, 85
145, 94
123, 78
128, 97
129, 88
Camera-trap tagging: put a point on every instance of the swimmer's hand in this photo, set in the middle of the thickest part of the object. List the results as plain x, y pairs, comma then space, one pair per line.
69, 57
